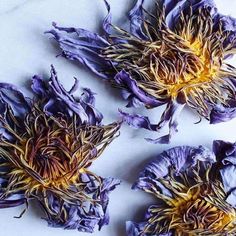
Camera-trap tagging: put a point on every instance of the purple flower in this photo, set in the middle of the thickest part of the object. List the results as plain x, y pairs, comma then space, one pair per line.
194, 192
173, 56
47, 145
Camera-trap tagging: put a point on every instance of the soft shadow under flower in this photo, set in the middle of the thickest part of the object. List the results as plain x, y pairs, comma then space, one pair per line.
46, 147
174, 55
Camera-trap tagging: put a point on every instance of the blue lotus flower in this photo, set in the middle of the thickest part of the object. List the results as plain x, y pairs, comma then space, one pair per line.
194, 192
47, 145
173, 56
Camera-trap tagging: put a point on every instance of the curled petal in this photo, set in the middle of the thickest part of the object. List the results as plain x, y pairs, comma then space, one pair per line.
124, 79
9, 94
107, 19
229, 25
85, 48
170, 116
179, 158
136, 20
58, 100
11, 203
226, 154
231, 199
39, 86
133, 101
134, 229
86, 215
228, 179
173, 9
109, 184
223, 150
138, 121
221, 113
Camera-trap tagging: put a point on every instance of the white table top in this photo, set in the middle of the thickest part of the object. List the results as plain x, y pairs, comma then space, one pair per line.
25, 51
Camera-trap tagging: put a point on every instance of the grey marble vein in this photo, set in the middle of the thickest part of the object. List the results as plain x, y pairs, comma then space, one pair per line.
16, 7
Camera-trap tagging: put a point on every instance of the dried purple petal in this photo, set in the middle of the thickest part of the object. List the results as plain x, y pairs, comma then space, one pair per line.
226, 155
47, 145
178, 49
193, 190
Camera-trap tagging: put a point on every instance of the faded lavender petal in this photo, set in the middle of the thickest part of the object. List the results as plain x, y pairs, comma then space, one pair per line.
179, 158
170, 116
86, 217
123, 78
226, 155
138, 121
85, 47
58, 100
221, 113
136, 20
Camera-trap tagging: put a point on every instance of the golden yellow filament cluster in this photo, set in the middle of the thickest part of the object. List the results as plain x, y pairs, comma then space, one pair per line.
192, 210
199, 213
50, 153
187, 59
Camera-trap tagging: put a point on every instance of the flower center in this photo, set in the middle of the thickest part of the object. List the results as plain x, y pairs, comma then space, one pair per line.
202, 212
50, 155
192, 204
180, 66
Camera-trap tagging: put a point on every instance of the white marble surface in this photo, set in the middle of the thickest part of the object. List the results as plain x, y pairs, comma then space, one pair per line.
25, 51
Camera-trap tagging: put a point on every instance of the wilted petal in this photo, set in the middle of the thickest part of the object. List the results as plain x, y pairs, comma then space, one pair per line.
231, 199
229, 25
223, 150
9, 94
180, 158
226, 154
83, 216
11, 203
109, 184
228, 174
136, 20
221, 113
134, 229
124, 79
138, 121
83, 46
107, 19
170, 116
174, 9
39, 86
58, 100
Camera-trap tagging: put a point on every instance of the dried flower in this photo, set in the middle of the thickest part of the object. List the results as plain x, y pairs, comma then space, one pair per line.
174, 55
46, 147
193, 190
